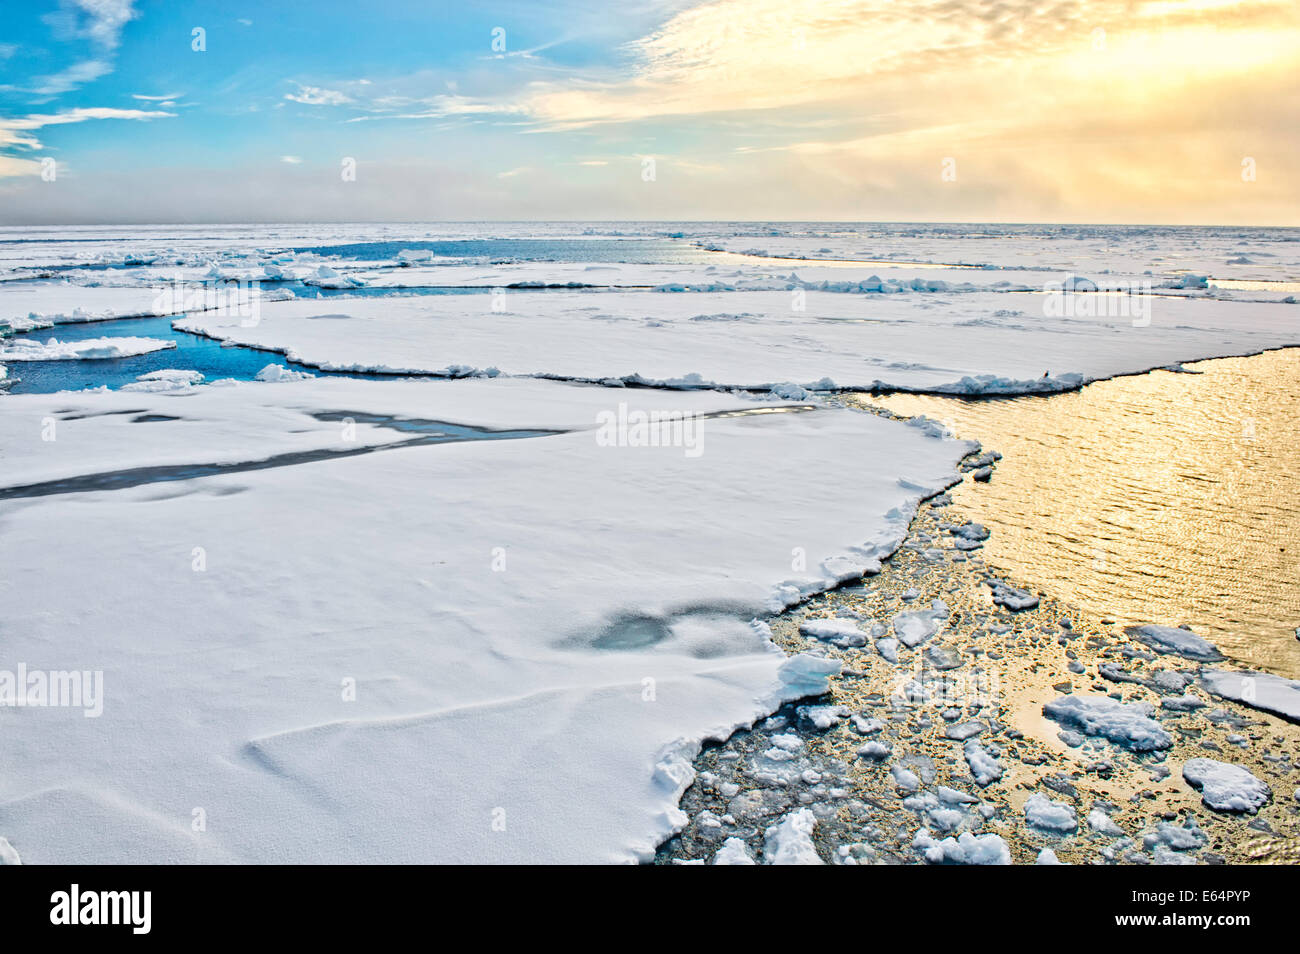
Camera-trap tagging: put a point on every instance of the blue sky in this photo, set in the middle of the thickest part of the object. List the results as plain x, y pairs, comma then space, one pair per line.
1051, 110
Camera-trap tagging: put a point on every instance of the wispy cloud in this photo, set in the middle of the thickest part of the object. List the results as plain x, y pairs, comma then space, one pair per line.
292, 160
318, 96
442, 106
69, 79
15, 133
98, 21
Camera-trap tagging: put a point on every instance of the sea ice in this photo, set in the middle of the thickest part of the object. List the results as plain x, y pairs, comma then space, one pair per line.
278, 373
1127, 725
1226, 787
916, 627
1100, 822
966, 849
26, 349
733, 852
1171, 639
789, 842
984, 768
1046, 815
402, 611
1259, 690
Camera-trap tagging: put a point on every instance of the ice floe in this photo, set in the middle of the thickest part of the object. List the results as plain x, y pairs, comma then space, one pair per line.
1128, 725
1046, 815
26, 349
639, 337
1182, 642
404, 611
966, 849
1259, 690
1226, 787
789, 842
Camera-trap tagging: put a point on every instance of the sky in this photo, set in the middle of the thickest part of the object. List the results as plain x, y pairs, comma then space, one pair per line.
1121, 111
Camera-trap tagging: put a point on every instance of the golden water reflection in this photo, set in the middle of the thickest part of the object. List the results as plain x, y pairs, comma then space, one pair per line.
1165, 497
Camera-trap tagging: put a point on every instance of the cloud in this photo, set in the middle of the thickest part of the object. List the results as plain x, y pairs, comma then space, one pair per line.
316, 96
69, 79
15, 132
438, 107
292, 160
100, 21
156, 99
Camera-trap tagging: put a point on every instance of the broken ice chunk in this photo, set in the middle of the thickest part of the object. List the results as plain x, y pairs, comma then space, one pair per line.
1226, 787
1181, 642
1126, 725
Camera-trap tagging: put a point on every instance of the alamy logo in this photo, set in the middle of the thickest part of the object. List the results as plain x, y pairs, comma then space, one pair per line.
1080, 298
55, 688
74, 906
624, 428
236, 299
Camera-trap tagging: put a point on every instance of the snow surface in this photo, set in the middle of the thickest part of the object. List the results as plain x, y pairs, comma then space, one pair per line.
544, 712
974, 343
509, 649
984, 768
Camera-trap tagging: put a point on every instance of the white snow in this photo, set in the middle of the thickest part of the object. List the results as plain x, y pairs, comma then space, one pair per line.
279, 373
1226, 787
789, 842
914, 341
733, 852
26, 349
1046, 815
1171, 639
966, 849
1259, 690
984, 768
874, 750
235, 616
166, 380
1099, 821
1128, 725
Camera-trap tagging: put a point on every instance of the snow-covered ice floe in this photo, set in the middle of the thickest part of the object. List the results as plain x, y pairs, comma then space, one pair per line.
1226, 787
25, 349
1181, 642
1126, 724
1259, 690
396, 654
978, 344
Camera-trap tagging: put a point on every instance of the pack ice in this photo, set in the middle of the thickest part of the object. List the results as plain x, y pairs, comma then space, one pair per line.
343, 644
